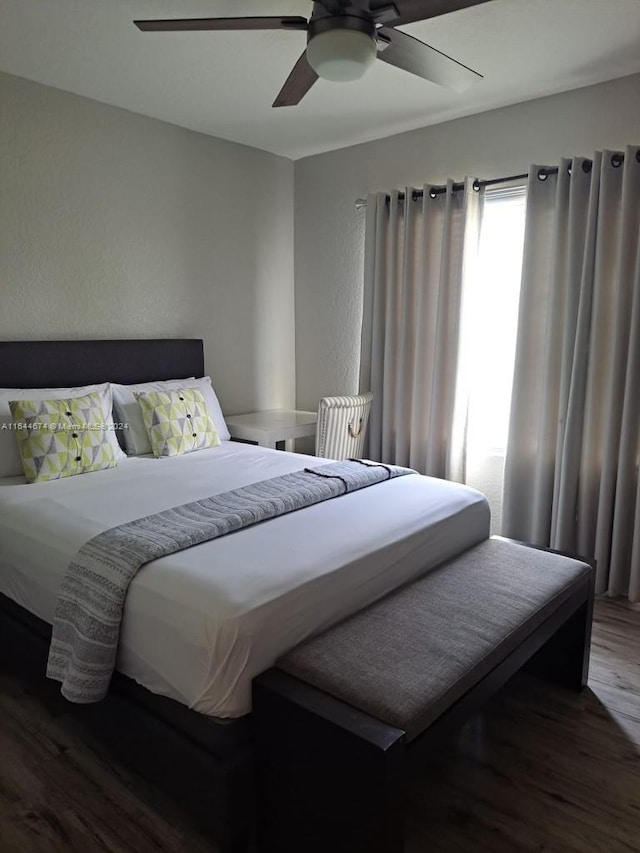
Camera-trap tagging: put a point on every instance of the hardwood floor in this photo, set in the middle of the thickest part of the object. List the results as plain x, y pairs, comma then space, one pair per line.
542, 769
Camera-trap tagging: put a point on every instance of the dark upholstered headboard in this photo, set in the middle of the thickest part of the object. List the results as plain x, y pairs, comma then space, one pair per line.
58, 364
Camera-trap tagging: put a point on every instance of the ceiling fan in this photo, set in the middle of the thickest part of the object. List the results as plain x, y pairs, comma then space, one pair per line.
344, 37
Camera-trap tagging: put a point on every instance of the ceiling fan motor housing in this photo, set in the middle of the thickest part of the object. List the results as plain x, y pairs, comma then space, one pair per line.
341, 47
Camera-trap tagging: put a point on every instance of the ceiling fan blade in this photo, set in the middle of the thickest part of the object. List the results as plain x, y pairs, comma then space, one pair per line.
416, 57
422, 10
191, 24
297, 84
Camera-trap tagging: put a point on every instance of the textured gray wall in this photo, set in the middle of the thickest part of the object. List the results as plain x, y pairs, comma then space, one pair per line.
330, 232
116, 225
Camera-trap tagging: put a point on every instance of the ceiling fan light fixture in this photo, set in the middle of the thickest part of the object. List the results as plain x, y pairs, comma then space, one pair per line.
341, 54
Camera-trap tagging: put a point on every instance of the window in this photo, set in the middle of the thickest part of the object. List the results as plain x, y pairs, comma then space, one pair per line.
490, 322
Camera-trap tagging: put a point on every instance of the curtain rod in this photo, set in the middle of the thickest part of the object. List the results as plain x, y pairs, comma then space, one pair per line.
542, 174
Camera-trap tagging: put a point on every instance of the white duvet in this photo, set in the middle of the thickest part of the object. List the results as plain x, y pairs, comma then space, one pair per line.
200, 624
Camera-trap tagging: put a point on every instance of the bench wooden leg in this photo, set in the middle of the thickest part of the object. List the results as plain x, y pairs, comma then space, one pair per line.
564, 658
323, 788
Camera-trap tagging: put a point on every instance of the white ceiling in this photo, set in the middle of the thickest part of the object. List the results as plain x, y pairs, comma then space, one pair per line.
224, 83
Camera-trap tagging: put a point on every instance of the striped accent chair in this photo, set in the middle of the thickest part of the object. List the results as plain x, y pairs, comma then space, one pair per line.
342, 426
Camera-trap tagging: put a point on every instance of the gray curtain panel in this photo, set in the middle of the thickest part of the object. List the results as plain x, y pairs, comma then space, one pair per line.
571, 469
416, 253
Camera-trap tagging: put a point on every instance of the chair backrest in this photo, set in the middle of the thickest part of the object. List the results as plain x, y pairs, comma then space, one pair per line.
342, 426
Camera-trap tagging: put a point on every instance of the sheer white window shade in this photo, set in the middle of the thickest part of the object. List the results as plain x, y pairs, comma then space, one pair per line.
487, 343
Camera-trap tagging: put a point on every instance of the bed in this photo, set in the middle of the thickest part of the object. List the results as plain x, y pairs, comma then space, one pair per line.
199, 625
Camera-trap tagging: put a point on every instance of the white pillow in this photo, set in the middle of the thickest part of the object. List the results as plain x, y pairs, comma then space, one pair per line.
10, 461
128, 411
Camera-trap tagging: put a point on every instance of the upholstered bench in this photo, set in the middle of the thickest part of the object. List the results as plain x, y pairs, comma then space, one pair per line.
339, 717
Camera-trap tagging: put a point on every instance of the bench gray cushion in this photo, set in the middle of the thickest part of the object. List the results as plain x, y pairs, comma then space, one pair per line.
411, 655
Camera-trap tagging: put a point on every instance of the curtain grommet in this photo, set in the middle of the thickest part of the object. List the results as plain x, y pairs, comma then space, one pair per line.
587, 165
617, 160
542, 174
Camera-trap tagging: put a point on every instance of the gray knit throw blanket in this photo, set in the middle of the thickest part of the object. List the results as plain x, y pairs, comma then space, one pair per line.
86, 627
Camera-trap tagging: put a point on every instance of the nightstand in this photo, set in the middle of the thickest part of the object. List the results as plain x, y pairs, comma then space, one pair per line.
270, 427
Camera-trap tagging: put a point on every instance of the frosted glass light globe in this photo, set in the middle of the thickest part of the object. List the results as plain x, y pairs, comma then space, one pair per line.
341, 55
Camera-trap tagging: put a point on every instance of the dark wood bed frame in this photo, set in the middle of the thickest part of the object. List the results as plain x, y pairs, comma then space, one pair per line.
206, 765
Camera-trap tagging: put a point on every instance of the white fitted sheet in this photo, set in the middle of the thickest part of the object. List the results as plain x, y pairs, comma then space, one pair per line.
200, 624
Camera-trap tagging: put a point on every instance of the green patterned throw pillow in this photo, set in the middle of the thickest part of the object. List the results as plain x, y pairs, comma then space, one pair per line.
60, 438
177, 421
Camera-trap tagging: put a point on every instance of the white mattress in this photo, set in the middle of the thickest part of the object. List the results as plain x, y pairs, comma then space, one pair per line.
199, 625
